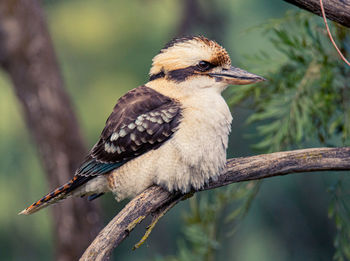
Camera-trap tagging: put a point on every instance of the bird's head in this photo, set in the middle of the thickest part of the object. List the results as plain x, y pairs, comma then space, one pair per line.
199, 61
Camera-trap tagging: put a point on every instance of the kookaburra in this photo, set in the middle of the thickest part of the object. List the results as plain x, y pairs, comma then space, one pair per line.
172, 131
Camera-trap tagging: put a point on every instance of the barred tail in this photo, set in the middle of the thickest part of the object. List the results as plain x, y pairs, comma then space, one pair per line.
60, 193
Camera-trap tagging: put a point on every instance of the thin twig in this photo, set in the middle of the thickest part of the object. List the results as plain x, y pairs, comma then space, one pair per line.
330, 35
156, 216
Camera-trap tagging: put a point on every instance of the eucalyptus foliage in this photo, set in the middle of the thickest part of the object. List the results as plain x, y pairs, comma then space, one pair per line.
306, 100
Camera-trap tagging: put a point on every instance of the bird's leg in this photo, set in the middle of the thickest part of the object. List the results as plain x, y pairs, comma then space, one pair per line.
158, 214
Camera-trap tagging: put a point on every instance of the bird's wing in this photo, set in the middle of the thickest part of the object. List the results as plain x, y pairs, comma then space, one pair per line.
141, 121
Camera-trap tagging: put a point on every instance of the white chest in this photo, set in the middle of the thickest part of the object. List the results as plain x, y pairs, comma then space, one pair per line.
199, 146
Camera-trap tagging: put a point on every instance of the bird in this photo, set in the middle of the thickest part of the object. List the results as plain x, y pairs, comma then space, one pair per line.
172, 131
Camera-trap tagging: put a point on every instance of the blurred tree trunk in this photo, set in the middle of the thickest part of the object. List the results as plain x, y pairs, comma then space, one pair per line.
190, 17
27, 55
208, 19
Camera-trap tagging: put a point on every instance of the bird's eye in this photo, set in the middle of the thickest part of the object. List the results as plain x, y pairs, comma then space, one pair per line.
203, 65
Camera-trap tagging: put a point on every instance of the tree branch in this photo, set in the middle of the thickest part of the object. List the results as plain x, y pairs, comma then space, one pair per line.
156, 199
337, 11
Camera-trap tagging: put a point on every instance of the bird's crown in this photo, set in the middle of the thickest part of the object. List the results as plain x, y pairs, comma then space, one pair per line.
184, 52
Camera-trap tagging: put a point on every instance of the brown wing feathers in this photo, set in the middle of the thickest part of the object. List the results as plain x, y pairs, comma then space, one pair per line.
142, 120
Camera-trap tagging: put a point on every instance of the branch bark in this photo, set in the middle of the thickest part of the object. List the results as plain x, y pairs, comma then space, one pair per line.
337, 11
154, 199
27, 55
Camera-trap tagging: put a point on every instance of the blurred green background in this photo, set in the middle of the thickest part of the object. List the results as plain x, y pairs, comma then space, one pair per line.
105, 49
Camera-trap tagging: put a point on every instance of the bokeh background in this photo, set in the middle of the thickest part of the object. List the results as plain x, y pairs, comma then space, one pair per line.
104, 49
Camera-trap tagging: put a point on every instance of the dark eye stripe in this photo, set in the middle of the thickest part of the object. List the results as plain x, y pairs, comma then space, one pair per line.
157, 76
180, 75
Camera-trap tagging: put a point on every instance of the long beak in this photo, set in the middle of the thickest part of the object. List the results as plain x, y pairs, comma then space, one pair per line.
236, 76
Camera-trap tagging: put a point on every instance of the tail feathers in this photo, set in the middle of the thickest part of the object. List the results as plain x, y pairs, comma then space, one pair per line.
60, 193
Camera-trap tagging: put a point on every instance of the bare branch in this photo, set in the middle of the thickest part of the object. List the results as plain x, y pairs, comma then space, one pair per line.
155, 199
337, 11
